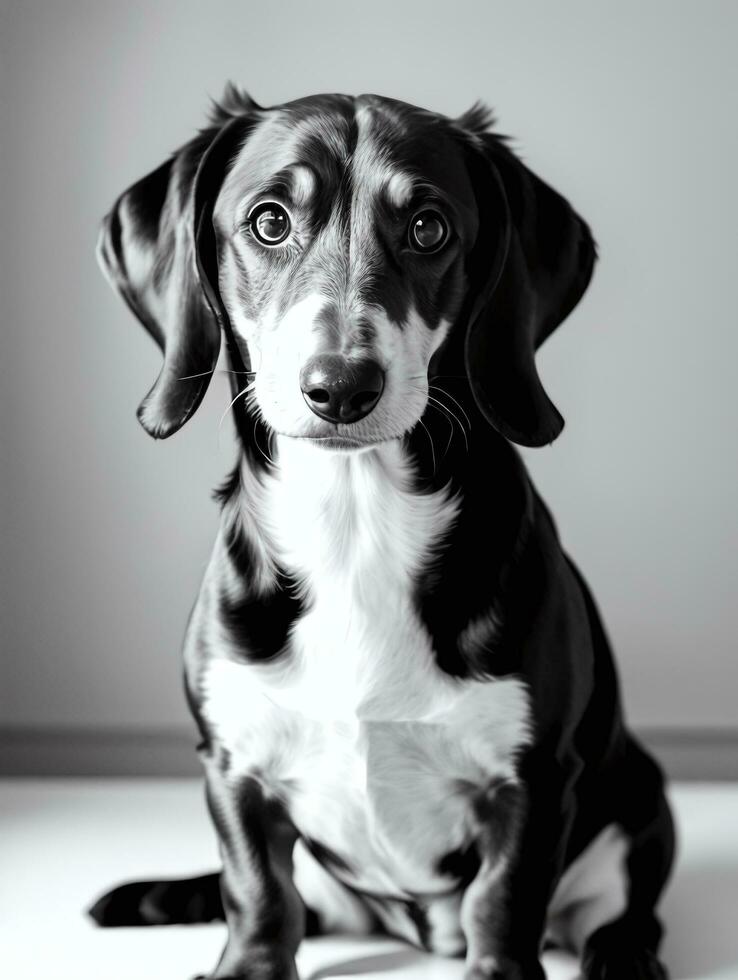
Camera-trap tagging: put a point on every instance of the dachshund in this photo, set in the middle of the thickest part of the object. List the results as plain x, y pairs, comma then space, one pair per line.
409, 714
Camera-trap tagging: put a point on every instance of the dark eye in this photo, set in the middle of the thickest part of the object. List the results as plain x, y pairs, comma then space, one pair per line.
428, 231
269, 223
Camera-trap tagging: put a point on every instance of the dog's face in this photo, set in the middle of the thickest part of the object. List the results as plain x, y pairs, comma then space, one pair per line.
345, 244
343, 228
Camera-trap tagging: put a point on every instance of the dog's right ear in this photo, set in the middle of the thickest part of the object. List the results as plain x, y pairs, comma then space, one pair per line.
147, 250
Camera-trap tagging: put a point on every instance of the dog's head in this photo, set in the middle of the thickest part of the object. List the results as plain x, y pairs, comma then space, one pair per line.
348, 246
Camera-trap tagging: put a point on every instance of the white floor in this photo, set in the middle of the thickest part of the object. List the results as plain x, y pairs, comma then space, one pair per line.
62, 842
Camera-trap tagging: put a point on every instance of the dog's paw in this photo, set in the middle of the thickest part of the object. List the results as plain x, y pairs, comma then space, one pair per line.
491, 968
259, 969
246, 976
623, 965
249, 975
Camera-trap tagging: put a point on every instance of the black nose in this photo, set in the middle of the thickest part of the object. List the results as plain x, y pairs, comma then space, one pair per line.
340, 390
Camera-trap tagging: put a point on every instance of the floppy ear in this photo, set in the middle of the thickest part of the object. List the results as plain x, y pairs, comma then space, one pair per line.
529, 268
147, 250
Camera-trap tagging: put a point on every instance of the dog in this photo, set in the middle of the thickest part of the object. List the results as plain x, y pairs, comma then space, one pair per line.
409, 714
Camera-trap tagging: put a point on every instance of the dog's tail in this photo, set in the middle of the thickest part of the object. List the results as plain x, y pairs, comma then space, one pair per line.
161, 903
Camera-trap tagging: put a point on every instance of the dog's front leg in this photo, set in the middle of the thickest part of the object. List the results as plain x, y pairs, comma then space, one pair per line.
264, 913
521, 829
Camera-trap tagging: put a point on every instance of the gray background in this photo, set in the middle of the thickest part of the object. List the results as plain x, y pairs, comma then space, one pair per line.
629, 109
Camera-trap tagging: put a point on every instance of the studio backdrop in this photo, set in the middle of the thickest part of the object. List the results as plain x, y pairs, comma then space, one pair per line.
628, 109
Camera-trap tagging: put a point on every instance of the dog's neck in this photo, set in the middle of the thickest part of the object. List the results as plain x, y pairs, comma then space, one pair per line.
324, 515
448, 456
346, 537
300, 523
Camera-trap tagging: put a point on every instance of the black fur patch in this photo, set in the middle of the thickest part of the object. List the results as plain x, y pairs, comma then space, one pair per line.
478, 119
498, 814
258, 625
461, 865
327, 857
419, 917
256, 622
458, 595
234, 102
155, 903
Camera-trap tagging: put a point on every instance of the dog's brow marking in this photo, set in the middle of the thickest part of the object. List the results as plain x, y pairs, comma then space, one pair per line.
304, 184
400, 188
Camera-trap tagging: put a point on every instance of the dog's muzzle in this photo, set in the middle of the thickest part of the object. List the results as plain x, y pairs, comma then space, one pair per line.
340, 390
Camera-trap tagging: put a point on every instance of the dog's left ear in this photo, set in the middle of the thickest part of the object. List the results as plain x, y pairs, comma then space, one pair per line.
529, 268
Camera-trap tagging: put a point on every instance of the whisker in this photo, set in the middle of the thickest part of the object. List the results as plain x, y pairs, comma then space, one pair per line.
445, 412
450, 428
448, 411
430, 440
256, 443
460, 406
244, 391
189, 377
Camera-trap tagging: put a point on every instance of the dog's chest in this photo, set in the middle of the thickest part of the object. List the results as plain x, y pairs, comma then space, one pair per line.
389, 796
376, 753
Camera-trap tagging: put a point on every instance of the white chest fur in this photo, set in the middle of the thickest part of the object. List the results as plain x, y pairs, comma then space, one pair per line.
374, 749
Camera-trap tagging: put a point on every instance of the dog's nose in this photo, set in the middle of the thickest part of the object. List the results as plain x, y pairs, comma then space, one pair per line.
341, 390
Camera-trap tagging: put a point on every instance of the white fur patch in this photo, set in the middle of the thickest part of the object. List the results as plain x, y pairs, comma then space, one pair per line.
592, 891
399, 188
404, 354
285, 344
337, 908
304, 185
374, 749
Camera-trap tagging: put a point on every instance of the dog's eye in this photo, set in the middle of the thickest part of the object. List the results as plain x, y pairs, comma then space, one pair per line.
428, 231
269, 223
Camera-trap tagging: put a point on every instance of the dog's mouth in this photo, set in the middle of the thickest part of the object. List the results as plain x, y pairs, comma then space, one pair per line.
356, 437
340, 438
342, 443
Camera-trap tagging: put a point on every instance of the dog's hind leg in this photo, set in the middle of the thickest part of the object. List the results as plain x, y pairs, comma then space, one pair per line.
329, 906
627, 947
178, 901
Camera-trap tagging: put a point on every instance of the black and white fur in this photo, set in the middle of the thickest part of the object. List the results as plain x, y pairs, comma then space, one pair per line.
409, 712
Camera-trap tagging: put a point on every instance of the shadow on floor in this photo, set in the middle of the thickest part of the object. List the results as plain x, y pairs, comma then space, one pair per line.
363, 965
701, 916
